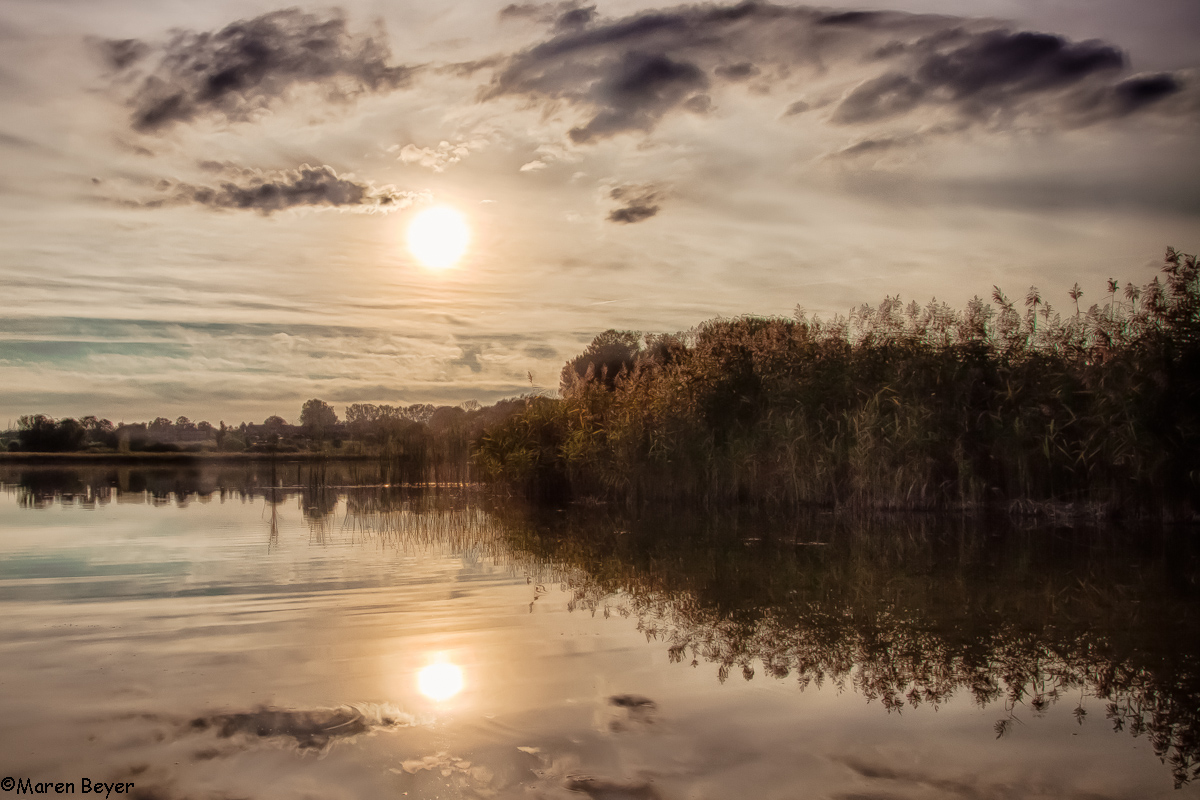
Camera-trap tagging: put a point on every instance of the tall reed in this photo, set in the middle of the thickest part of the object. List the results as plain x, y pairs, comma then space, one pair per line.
894, 406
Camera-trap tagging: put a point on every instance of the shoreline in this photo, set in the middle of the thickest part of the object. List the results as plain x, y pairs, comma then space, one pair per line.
172, 458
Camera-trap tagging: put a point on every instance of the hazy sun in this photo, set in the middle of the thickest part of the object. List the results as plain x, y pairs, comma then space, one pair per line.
440, 681
438, 237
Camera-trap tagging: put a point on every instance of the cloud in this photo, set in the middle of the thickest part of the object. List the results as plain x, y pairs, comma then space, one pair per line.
469, 358
874, 146
306, 728
637, 92
798, 107
440, 157
625, 75
575, 18
121, 53
990, 73
1133, 94
307, 186
737, 72
562, 16
248, 65
551, 153
638, 202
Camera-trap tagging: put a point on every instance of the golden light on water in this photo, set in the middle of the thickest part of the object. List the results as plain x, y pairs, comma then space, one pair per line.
440, 680
438, 237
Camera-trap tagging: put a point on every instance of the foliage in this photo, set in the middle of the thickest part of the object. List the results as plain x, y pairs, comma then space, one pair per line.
318, 418
895, 406
610, 355
40, 433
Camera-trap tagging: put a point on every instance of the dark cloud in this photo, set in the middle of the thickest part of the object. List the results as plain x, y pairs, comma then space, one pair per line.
469, 358
873, 146
638, 202
636, 92
121, 53
737, 72
308, 186
248, 65
991, 73
887, 96
575, 18
879, 144
857, 18
626, 74
522, 10
465, 69
798, 107
1131, 95
307, 729
561, 16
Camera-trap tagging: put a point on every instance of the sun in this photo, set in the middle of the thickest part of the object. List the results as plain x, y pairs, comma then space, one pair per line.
438, 237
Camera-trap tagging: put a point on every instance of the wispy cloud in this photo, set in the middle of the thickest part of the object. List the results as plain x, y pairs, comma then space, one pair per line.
440, 157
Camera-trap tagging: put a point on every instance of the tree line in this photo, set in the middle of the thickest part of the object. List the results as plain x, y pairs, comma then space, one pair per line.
367, 428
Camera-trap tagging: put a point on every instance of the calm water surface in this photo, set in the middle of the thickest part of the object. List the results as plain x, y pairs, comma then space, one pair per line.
259, 632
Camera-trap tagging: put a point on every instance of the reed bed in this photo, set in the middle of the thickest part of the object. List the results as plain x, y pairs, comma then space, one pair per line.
1010, 403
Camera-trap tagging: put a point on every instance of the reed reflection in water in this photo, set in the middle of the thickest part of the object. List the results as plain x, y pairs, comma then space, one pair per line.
1028, 626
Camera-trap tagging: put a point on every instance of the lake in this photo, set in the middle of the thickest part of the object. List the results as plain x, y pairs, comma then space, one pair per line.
313, 631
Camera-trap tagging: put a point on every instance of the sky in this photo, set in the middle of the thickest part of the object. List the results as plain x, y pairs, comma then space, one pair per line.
204, 206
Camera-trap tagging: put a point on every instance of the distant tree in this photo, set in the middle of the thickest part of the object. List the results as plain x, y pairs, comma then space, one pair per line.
204, 426
184, 425
274, 423
161, 427
221, 433
418, 412
99, 431
446, 418
367, 419
40, 433
318, 418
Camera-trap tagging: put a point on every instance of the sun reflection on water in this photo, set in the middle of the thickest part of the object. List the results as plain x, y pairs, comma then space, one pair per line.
440, 680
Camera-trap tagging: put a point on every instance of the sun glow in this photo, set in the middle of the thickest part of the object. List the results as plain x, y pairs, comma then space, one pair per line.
438, 237
440, 680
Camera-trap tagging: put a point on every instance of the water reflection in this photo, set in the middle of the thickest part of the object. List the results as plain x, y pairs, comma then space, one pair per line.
441, 680
908, 612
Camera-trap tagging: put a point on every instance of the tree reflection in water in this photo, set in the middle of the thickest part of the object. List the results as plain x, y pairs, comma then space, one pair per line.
909, 610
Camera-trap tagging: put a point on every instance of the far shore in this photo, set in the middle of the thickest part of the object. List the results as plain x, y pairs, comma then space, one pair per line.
173, 458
